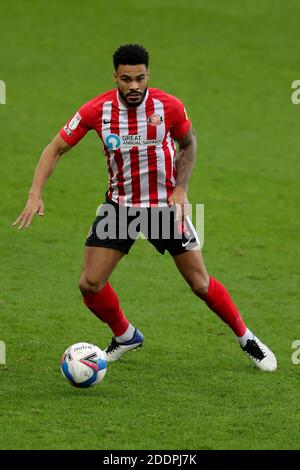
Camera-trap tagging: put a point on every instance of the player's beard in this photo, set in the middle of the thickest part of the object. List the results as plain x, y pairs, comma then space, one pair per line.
132, 104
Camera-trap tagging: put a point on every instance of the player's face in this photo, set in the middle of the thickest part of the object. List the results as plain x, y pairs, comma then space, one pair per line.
132, 83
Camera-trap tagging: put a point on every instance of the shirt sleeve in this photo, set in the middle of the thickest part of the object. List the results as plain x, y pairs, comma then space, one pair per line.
76, 128
180, 122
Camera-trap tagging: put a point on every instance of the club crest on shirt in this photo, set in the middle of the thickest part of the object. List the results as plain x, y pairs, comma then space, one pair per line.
155, 120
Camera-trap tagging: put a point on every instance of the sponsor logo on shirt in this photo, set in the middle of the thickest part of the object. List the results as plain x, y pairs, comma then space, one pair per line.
73, 124
155, 120
114, 142
138, 141
67, 131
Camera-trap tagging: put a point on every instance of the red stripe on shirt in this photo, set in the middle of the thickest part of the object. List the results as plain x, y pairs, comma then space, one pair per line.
168, 167
115, 129
134, 159
111, 174
152, 157
174, 166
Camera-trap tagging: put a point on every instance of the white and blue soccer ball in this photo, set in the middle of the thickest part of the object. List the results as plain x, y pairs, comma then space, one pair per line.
83, 365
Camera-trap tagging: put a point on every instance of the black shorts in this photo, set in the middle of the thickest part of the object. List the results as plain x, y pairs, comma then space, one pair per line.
117, 226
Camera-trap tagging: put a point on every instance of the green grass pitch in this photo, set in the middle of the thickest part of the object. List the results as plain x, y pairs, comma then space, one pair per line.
190, 386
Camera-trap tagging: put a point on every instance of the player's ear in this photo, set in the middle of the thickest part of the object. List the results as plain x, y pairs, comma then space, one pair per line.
115, 77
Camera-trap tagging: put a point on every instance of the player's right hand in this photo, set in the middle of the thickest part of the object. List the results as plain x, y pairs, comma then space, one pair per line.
33, 206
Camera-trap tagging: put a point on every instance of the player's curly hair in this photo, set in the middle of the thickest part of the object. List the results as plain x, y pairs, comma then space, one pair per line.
130, 54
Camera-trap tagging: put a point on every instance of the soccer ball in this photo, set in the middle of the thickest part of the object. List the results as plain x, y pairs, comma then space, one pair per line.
83, 365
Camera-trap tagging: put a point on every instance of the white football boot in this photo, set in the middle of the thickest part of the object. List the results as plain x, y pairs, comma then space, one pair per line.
115, 350
260, 354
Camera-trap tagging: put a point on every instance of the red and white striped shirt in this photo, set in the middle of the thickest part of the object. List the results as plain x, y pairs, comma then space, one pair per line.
139, 143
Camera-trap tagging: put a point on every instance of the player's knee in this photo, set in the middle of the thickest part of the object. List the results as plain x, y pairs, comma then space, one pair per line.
200, 286
89, 286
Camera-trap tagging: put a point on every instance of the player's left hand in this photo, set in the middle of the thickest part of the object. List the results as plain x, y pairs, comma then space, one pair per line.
179, 198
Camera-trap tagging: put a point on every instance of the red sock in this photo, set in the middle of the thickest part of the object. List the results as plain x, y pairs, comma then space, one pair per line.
220, 302
106, 306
